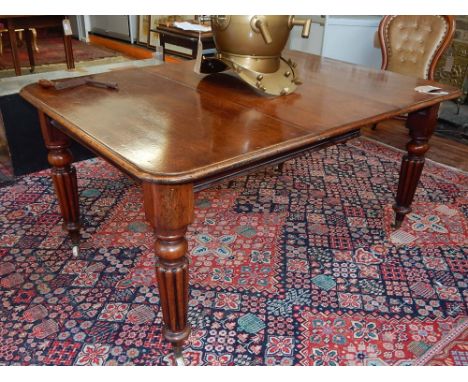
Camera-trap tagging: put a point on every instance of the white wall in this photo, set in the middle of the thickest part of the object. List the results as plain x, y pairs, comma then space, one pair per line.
345, 38
314, 43
352, 39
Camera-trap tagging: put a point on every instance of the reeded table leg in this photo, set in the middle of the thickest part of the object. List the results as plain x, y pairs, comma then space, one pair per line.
64, 177
421, 125
169, 208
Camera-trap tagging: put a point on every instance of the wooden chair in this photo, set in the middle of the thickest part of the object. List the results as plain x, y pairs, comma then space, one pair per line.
413, 45
20, 37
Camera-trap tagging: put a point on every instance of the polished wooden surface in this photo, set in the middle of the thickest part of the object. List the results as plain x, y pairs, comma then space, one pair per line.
217, 122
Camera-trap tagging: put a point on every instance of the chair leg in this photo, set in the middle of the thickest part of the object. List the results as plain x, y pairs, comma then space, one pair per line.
29, 45
34, 39
19, 38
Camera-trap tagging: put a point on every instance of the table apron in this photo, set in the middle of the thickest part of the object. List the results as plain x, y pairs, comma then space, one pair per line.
273, 160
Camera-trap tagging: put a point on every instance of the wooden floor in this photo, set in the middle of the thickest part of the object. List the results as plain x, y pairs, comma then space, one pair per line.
443, 150
130, 50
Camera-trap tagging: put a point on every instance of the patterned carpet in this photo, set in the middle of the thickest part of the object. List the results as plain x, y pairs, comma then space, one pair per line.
51, 51
293, 268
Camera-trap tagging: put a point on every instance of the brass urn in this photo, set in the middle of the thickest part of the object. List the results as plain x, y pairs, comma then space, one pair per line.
252, 45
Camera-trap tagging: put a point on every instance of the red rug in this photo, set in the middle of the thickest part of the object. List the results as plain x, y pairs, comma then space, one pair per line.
293, 268
51, 51
451, 350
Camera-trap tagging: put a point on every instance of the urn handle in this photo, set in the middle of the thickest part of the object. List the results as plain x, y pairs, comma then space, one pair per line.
259, 24
306, 23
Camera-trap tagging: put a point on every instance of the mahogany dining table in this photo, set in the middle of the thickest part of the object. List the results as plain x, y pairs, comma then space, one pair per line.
178, 132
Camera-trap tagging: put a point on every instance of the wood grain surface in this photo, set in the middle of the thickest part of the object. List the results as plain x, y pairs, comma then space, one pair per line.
169, 125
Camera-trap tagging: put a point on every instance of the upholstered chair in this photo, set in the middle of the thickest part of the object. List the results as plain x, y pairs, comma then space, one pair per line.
413, 45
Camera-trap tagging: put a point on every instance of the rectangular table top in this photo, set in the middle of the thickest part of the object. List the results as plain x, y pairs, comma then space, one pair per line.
168, 124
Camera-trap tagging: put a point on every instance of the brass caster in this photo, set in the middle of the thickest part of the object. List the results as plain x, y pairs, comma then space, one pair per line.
178, 356
75, 251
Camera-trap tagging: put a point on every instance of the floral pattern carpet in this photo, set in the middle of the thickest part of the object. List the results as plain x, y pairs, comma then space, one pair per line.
292, 267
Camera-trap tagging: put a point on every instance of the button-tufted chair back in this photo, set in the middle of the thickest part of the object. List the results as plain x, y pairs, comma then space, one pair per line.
412, 45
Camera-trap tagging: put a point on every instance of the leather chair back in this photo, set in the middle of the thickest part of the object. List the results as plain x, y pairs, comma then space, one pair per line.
412, 45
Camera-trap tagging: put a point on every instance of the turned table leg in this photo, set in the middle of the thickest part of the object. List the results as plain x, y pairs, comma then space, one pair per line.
169, 208
64, 177
421, 125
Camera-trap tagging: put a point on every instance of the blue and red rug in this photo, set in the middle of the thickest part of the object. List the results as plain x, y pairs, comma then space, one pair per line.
293, 268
